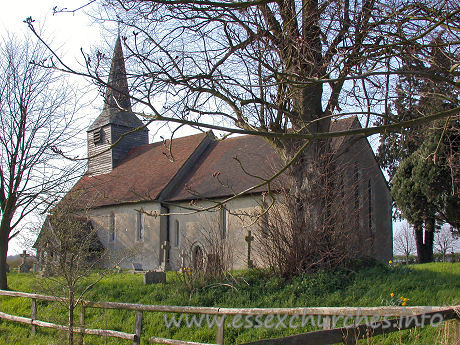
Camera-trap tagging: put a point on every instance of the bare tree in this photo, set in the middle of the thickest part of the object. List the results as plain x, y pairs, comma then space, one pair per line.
283, 70
290, 250
210, 255
404, 242
72, 257
445, 241
36, 114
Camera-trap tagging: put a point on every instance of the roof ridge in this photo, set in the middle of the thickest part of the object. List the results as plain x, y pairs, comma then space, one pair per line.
186, 166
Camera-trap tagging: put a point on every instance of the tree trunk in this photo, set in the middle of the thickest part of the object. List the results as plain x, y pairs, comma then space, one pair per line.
429, 239
3, 255
5, 229
418, 231
424, 247
71, 316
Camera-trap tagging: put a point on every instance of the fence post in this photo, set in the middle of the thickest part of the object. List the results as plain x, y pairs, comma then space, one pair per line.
33, 315
457, 332
220, 330
82, 323
138, 328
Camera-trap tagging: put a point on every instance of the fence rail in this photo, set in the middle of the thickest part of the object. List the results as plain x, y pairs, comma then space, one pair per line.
347, 335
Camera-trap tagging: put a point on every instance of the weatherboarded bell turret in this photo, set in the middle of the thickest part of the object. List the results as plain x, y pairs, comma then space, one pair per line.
117, 129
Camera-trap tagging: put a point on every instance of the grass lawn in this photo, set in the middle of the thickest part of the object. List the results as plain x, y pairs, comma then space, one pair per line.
427, 284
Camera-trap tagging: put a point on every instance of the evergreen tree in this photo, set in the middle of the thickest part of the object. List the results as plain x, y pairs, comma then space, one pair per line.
421, 161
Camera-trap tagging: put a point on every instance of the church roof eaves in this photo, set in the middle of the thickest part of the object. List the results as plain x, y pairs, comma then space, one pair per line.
119, 118
141, 175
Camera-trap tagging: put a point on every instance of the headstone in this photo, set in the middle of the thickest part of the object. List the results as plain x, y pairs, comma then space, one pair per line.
165, 264
249, 238
24, 267
137, 266
154, 277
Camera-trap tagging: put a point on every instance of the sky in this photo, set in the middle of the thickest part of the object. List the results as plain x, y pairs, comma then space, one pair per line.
67, 33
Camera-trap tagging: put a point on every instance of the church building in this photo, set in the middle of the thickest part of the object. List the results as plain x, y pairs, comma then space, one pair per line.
142, 196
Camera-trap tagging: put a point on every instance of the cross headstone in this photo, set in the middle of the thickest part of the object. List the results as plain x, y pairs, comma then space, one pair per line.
165, 247
249, 238
24, 255
24, 267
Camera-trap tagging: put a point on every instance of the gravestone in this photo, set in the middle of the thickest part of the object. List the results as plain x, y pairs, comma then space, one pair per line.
24, 267
137, 266
249, 238
165, 264
154, 277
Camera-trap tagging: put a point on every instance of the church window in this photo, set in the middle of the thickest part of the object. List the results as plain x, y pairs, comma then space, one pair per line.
223, 223
112, 227
340, 202
370, 205
177, 233
265, 225
342, 191
97, 136
356, 188
140, 226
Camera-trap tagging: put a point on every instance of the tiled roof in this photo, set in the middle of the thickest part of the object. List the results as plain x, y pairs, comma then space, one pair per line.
233, 165
224, 168
228, 167
141, 175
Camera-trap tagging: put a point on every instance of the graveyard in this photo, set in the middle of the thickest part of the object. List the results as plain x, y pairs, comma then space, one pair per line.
425, 284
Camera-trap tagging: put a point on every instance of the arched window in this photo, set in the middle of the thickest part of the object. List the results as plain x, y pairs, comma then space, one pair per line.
112, 227
265, 225
370, 205
140, 226
356, 188
223, 223
176, 233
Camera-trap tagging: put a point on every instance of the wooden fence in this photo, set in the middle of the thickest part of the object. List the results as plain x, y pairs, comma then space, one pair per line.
408, 317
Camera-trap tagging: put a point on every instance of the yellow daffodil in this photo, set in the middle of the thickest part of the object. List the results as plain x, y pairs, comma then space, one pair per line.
390, 262
405, 299
392, 294
403, 303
